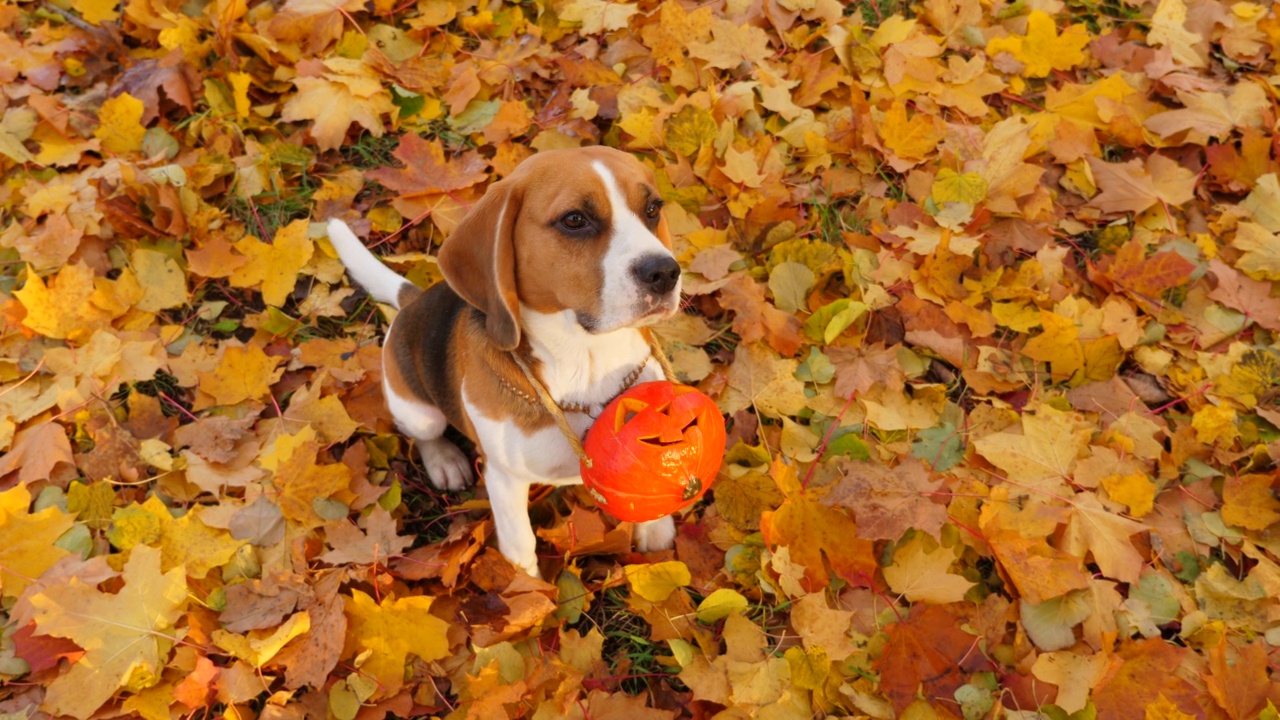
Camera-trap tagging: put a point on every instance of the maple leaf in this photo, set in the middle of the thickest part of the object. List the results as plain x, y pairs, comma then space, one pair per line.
1239, 685
759, 378
928, 648
1147, 673
1042, 49
1134, 186
340, 92
732, 44
244, 373
598, 16
919, 572
1106, 536
36, 451
121, 130
426, 171
378, 543
1168, 29
676, 28
126, 637
1249, 502
813, 531
1148, 277
1261, 258
889, 501
912, 139
393, 629
756, 319
65, 307
1043, 456
27, 540
1208, 115
15, 129
274, 266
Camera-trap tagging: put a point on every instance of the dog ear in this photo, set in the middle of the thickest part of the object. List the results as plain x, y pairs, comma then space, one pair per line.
479, 261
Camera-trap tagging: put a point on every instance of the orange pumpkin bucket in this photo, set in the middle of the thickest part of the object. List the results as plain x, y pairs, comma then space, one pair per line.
655, 449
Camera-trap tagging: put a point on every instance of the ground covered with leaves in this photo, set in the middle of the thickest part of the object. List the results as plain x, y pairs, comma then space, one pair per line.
987, 292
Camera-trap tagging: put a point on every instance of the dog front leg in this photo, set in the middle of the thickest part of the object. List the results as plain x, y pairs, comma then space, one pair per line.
657, 534
509, 500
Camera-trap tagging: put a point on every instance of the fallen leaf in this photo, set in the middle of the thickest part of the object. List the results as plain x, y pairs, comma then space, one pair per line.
126, 636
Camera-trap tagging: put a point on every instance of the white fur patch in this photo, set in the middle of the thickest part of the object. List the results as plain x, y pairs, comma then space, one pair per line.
624, 302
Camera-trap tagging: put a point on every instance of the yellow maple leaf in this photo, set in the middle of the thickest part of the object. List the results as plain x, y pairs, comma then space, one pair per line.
909, 139
1169, 30
1058, 345
326, 414
27, 540
1044, 455
188, 542
675, 29
1248, 502
304, 481
63, 309
244, 373
951, 186
1261, 258
349, 94
274, 266
1135, 490
597, 16
121, 130
127, 637
393, 630
732, 44
1042, 50
919, 572
97, 12
741, 167
184, 541
1216, 425
655, 581
1104, 535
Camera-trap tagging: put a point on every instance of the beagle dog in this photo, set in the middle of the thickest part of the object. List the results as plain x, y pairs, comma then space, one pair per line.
563, 264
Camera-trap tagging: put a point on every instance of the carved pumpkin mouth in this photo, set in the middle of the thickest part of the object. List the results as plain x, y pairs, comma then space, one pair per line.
658, 441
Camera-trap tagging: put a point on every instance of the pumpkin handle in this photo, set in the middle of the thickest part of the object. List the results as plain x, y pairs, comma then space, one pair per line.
553, 409
667, 371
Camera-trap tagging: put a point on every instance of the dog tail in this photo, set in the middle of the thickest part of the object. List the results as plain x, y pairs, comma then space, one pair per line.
381, 282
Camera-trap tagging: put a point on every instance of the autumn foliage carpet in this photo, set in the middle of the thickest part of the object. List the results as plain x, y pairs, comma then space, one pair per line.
987, 292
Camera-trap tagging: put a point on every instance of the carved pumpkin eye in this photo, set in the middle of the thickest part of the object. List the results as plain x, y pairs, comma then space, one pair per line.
654, 450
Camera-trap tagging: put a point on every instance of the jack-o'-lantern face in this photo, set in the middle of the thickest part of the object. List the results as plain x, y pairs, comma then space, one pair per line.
655, 449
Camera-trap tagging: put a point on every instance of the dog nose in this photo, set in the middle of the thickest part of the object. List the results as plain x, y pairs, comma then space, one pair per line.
657, 273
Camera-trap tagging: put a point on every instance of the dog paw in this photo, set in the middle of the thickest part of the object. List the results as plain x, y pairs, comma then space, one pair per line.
447, 466
657, 534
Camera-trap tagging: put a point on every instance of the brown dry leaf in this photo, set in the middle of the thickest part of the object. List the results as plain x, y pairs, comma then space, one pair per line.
887, 502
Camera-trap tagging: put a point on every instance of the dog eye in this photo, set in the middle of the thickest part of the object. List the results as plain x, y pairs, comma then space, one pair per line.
655, 207
574, 221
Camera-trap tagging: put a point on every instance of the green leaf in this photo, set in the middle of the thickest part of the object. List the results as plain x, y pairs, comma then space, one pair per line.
939, 446
1049, 624
817, 368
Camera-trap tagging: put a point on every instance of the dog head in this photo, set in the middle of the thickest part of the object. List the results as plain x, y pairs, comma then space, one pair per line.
578, 230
